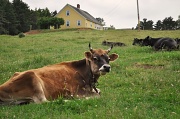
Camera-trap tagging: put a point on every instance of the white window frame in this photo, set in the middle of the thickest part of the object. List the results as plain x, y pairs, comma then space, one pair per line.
78, 22
67, 13
68, 23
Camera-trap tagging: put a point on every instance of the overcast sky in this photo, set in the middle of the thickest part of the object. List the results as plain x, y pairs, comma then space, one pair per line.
119, 13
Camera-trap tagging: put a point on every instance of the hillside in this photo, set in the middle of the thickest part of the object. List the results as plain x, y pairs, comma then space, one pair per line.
143, 83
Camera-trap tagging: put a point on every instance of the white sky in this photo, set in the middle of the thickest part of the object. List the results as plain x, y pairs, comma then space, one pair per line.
119, 13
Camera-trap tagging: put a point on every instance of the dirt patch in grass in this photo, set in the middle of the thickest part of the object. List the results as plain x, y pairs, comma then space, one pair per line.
33, 32
148, 66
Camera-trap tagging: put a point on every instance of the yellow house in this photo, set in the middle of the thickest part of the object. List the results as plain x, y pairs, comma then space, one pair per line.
74, 17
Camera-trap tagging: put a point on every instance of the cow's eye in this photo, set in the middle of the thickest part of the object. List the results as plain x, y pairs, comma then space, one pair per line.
95, 58
109, 58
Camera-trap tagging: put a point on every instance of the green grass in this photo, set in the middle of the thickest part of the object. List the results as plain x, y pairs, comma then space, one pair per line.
143, 84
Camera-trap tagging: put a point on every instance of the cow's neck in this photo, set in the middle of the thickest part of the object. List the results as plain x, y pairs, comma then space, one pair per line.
93, 78
84, 67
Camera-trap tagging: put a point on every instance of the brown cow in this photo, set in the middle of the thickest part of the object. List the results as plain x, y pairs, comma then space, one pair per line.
66, 79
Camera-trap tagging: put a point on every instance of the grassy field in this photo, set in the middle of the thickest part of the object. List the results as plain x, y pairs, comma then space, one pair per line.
143, 84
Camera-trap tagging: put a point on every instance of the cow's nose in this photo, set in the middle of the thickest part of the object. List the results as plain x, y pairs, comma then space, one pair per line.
107, 68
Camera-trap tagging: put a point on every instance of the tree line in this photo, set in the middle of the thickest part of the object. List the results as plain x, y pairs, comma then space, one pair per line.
166, 24
17, 17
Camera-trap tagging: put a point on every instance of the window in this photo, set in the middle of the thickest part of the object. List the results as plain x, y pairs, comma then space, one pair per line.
67, 23
67, 13
79, 23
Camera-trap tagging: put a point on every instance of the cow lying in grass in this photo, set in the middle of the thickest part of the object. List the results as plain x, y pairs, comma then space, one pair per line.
137, 41
178, 42
158, 43
107, 43
66, 79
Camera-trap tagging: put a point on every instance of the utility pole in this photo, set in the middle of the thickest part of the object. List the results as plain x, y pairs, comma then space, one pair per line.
138, 15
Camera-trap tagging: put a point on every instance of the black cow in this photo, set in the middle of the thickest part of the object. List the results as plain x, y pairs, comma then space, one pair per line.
119, 44
165, 43
113, 43
149, 41
178, 42
160, 43
107, 43
137, 41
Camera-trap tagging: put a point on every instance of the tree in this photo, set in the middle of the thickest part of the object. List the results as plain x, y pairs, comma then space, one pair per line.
7, 18
111, 27
33, 19
43, 18
56, 22
178, 22
3, 20
43, 12
146, 25
11, 24
53, 13
159, 25
46, 22
169, 24
143, 24
23, 15
150, 25
101, 20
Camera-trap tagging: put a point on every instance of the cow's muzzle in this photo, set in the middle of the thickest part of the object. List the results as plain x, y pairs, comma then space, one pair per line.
105, 69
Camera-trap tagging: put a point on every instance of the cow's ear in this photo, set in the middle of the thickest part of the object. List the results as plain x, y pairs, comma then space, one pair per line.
88, 55
113, 56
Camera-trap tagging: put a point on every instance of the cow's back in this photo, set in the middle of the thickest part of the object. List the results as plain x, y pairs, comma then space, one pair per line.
165, 43
59, 80
46, 83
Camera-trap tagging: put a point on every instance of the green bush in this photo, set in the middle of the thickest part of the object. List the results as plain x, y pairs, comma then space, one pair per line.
21, 35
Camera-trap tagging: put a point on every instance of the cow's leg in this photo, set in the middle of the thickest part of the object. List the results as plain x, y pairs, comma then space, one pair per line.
98, 91
24, 88
38, 92
88, 92
39, 95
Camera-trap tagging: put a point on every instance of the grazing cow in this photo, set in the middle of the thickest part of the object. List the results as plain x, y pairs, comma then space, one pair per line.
137, 41
66, 79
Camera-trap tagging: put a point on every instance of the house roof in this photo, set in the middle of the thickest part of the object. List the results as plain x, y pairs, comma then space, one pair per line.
86, 15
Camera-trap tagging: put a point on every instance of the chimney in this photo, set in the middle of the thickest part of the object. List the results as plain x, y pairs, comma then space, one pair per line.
78, 6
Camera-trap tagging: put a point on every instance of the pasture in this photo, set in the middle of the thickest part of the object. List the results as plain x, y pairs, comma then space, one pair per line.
143, 83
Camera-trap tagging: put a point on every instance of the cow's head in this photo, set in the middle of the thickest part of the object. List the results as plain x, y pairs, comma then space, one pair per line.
99, 60
146, 41
135, 41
